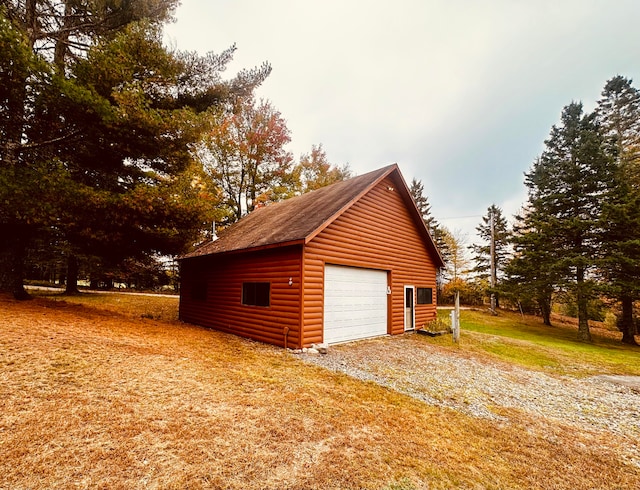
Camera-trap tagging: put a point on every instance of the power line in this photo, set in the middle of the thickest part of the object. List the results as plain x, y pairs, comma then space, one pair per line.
463, 217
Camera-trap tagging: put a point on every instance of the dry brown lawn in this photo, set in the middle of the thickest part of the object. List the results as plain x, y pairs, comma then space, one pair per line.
97, 399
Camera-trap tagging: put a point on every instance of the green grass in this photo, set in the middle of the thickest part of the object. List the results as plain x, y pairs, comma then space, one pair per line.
529, 343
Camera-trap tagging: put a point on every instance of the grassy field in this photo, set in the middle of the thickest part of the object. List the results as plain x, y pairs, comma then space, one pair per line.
527, 342
109, 391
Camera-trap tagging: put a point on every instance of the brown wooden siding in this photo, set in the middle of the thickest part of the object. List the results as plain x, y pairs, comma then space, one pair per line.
376, 232
223, 309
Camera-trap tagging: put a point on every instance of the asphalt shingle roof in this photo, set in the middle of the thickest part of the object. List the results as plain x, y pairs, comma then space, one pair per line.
293, 220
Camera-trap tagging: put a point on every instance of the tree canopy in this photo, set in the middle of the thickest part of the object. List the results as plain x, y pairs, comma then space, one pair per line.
618, 112
246, 155
99, 125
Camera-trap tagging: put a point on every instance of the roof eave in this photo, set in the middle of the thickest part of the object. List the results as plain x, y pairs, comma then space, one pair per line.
245, 250
417, 217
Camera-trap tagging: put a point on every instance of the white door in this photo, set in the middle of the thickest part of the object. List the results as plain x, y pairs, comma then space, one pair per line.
409, 309
355, 303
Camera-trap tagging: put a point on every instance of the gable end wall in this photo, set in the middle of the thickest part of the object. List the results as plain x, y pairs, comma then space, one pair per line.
376, 232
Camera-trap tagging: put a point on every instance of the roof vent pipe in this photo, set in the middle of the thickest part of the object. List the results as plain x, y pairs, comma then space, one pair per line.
214, 234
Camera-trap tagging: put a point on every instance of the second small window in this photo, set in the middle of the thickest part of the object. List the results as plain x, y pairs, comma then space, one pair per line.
425, 296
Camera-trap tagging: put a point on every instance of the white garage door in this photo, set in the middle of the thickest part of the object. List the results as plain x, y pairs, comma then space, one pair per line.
355, 303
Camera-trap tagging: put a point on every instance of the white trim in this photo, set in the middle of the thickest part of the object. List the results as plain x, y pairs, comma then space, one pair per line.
413, 308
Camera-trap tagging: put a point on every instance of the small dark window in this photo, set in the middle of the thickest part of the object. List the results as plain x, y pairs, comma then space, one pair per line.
256, 293
199, 289
425, 296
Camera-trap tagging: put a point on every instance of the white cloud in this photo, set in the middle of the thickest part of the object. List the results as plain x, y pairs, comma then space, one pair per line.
461, 94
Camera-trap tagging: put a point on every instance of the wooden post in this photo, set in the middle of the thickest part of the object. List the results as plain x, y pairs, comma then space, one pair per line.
455, 319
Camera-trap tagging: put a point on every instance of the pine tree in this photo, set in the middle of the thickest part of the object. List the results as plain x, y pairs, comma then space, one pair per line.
618, 112
531, 273
438, 233
99, 122
566, 188
416, 188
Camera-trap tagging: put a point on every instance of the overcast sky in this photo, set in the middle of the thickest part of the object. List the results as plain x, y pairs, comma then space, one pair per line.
461, 94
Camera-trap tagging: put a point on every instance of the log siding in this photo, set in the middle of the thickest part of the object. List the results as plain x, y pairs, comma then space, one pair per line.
377, 232
223, 309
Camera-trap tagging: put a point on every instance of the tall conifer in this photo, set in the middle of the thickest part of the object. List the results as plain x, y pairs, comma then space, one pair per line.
499, 233
566, 188
619, 115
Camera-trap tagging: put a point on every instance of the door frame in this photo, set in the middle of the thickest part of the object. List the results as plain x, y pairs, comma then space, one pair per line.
412, 306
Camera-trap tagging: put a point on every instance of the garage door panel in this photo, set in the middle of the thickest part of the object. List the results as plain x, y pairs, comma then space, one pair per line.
355, 304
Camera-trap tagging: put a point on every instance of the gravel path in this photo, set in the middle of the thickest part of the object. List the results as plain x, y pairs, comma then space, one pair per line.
476, 387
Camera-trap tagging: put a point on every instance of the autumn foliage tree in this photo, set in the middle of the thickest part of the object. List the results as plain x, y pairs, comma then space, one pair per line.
245, 155
315, 171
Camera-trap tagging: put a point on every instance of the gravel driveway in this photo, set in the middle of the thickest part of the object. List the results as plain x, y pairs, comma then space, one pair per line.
473, 386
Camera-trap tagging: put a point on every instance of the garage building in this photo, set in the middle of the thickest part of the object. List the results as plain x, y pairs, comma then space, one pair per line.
348, 261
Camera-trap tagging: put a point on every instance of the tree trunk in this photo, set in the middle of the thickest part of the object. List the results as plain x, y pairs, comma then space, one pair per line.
543, 299
584, 335
72, 275
61, 46
627, 324
13, 239
545, 309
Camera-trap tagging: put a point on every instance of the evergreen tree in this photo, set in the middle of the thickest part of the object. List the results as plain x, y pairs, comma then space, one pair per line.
618, 112
531, 272
438, 233
99, 122
566, 188
499, 233
416, 188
